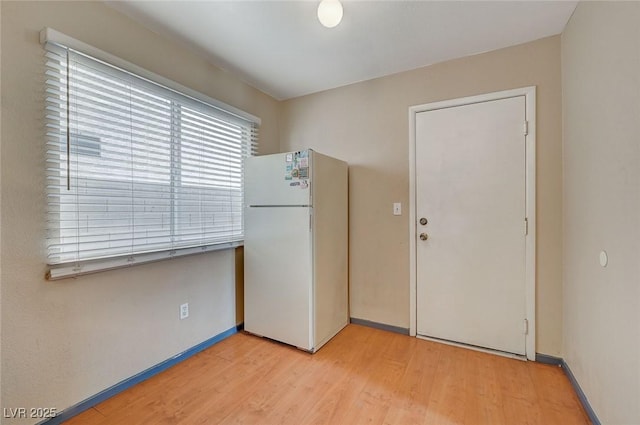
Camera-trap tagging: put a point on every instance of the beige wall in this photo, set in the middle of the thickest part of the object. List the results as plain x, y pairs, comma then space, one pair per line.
68, 340
366, 124
601, 92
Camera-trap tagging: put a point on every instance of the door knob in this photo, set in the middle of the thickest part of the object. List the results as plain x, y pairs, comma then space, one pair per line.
424, 236
423, 221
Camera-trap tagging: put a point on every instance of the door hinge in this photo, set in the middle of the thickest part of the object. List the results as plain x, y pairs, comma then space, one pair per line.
526, 226
526, 128
526, 327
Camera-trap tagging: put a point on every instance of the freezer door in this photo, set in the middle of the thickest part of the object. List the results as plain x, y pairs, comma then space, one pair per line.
279, 179
278, 274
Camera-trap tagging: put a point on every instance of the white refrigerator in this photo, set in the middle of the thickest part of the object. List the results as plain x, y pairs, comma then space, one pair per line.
295, 248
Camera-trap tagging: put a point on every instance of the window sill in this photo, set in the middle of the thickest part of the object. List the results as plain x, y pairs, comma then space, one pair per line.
68, 270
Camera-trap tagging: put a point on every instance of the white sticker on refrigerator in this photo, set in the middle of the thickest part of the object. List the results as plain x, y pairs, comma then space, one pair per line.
287, 171
297, 166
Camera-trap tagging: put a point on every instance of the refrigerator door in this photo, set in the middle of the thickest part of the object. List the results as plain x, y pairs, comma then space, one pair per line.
278, 274
279, 179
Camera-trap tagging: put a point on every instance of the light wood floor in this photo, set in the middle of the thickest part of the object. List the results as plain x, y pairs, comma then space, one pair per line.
363, 375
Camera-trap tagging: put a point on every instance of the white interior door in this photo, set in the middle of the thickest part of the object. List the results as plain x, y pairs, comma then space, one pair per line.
470, 186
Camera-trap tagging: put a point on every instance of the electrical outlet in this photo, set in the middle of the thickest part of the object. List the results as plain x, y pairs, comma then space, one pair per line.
184, 311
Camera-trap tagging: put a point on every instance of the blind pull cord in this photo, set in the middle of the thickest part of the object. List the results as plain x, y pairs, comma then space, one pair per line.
68, 125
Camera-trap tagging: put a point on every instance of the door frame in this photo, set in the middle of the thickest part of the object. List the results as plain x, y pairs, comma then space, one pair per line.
530, 202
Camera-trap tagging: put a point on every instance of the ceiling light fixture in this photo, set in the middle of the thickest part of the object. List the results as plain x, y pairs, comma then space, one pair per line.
330, 13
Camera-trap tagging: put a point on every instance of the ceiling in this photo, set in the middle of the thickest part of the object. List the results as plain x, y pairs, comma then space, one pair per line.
280, 47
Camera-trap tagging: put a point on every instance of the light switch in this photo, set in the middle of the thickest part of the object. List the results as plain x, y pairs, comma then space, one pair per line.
397, 208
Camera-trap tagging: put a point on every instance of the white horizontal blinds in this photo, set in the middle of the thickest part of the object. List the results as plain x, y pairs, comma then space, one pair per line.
134, 167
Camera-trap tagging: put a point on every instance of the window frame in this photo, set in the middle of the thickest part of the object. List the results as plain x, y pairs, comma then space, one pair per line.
75, 268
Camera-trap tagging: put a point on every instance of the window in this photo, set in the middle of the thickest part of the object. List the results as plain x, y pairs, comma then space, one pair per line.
136, 171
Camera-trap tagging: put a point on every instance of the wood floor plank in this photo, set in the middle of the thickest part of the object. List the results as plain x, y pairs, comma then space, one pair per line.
447, 403
414, 389
334, 406
91, 416
555, 395
490, 398
363, 375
